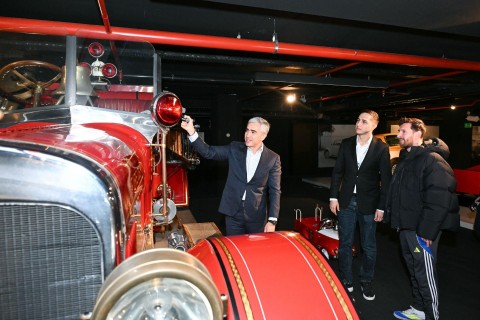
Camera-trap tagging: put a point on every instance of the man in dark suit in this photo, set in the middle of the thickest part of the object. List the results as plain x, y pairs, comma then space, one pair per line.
254, 174
358, 192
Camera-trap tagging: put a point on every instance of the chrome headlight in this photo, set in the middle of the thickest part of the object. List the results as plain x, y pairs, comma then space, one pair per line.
159, 284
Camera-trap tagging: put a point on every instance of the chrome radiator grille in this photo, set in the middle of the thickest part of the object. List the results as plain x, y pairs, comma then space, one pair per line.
50, 262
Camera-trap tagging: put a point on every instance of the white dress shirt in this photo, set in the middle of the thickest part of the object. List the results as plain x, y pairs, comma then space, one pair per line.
361, 153
252, 163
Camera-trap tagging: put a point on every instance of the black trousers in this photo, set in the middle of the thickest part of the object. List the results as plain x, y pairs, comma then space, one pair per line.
421, 263
476, 225
241, 223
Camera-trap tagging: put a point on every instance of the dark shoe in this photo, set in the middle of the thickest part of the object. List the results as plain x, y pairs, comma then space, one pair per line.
348, 286
367, 290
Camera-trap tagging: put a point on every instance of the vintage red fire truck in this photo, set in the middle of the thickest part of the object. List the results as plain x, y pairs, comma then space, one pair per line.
92, 166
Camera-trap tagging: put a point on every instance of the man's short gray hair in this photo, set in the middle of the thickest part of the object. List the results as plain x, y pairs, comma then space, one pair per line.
263, 124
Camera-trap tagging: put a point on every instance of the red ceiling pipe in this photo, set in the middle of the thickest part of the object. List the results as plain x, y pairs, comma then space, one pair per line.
134, 35
202, 41
108, 29
346, 66
457, 106
345, 94
103, 12
426, 78
392, 85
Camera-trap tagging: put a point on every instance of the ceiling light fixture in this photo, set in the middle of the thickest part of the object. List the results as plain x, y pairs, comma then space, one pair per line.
291, 98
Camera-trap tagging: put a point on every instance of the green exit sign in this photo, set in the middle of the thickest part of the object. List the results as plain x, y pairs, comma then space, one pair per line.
467, 125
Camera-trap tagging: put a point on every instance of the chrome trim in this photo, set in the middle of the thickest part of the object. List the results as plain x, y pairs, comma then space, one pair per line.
79, 114
142, 122
154, 264
27, 174
57, 114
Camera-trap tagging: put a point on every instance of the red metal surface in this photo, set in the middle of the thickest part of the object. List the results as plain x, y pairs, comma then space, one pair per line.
131, 247
468, 180
308, 228
130, 88
251, 270
129, 105
136, 168
130, 95
124, 98
121, 149
177, 180
202, 41
103, 12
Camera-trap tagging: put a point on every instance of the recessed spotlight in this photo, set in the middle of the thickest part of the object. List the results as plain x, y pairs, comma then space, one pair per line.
291, 98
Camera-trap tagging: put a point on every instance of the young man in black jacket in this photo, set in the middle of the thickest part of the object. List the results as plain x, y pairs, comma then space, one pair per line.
422, 202
358, 192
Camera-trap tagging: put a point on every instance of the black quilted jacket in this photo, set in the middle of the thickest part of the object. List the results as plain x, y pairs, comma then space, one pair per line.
422, 192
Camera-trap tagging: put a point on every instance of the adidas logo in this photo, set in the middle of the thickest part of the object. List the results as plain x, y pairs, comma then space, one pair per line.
416, 250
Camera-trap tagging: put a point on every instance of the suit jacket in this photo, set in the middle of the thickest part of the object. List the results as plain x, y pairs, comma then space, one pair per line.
265, 183
372, 178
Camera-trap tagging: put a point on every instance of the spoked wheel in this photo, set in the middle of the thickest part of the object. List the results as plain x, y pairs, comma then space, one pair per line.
21, 81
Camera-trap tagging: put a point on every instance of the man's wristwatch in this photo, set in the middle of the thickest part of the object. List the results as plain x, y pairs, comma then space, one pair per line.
274, 222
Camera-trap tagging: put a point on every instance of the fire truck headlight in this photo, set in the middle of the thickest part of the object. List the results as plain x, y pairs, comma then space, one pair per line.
96, 49
166, 109
159, 284
109, 70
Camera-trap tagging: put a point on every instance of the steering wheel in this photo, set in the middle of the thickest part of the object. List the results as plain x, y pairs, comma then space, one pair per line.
22, 80
328, 224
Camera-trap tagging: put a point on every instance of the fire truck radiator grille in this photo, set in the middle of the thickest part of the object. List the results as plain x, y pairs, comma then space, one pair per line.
50, 262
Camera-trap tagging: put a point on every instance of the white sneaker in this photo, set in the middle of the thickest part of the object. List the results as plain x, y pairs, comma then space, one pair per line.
410, 314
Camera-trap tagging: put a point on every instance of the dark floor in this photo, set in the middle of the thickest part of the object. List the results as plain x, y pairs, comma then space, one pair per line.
458, 257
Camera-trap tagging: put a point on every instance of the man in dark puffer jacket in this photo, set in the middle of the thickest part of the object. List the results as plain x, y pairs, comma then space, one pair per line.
422, 202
